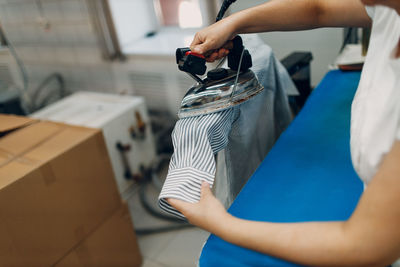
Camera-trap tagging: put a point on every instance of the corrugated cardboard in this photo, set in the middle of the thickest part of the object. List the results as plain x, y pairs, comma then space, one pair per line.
112, 244
56, 186
11, 122
8, 251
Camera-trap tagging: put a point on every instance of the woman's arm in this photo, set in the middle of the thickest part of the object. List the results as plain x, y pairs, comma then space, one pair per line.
293, 15
281, 15
371, 237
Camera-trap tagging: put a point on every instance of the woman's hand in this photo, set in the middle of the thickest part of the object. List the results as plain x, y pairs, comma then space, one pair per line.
214, 41
208, 213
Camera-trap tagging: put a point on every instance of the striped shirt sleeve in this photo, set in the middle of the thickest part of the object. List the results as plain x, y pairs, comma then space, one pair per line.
196, 141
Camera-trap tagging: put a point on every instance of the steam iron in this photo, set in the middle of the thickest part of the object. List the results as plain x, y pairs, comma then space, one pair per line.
222, 88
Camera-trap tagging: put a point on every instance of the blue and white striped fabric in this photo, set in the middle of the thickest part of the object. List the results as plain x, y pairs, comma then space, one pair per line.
196, 141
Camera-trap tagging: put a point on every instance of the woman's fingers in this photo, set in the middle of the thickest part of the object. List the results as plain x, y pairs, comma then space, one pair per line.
208, 213
184, 206
180, 205
200, 48
222, 52
197, 41
228, 45
212, 57
205, 191
217, 54
201, 44
212, 38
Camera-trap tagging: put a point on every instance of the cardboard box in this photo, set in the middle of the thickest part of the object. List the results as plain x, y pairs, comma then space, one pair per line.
111, 244
56, 186
122, 118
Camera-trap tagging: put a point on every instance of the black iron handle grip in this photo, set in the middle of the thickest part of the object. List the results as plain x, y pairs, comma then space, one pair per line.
181, 53
235, 54
190, 62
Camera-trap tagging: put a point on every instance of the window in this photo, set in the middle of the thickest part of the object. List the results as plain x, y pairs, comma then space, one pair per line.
182, 13
134, 20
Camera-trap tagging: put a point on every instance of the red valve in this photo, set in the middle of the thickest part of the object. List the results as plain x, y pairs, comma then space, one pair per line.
194, 54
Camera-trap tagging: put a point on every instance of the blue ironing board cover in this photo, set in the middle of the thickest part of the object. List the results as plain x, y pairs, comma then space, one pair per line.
307, 176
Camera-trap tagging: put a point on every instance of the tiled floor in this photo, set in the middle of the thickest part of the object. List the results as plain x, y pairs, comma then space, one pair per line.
179, 248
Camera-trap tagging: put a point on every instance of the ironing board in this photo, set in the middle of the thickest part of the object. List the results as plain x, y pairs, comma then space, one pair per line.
307, 176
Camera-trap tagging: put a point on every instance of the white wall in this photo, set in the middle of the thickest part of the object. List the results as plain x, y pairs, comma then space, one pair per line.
323, 43
133, 19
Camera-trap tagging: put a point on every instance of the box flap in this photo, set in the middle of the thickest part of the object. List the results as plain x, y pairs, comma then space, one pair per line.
28, 148
21, 141
12, 122
5, 157
62, 141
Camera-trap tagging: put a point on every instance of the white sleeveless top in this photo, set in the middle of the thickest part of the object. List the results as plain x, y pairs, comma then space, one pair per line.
375, 114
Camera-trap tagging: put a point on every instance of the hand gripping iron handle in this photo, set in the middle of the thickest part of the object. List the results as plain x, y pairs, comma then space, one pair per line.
195, 64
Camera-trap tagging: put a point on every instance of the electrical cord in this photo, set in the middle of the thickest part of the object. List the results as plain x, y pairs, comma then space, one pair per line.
31, 102
225, 5
17, 59
152, 211
178, 223
54, 76
143, 185
21, 68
